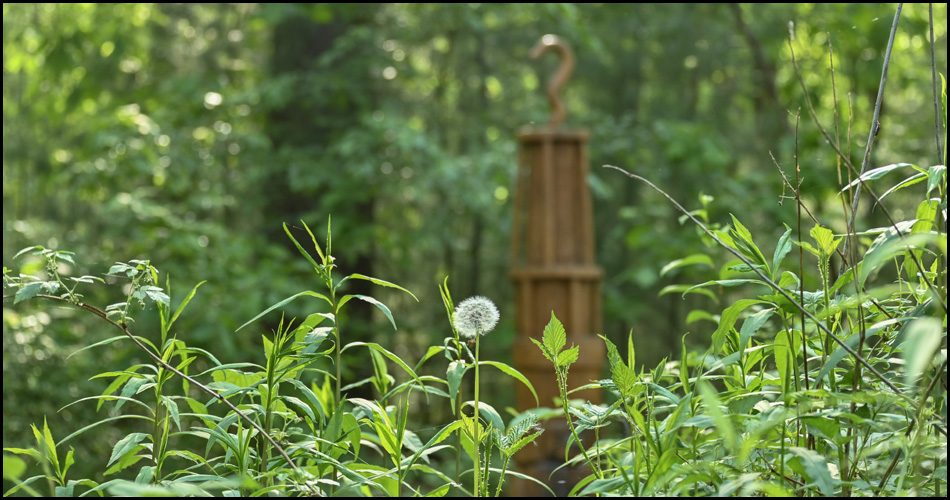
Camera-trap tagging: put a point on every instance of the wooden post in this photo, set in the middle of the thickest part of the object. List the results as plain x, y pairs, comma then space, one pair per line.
552, 261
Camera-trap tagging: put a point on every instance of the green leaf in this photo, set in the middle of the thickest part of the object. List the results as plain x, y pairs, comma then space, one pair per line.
723, 425
609, 485
184, 303
544, 350
825, 239
782, 249
391, 356
28, 291
752, 325
698, 258
816, 469
728, 320
748, 245
282, 303
890, 244
922, 339
511, 372
377, 282
836, 356
568, 357
46, 444
13, 468
316, 267
28, 249
875, 173
910, 181
125, 445
371, 300
554, 336
454, 375
935, 177
684, 289
726, 283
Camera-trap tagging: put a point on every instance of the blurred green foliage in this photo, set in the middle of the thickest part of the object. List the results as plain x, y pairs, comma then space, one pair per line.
187, 133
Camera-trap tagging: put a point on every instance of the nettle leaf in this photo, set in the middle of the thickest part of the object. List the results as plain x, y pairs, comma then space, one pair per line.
623, 377
825, 239
544, 350
554, 337
568, 357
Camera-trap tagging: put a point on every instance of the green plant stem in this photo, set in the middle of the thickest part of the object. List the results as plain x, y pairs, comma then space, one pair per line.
854, 171
501, 478
99, 312
562, 386
767, 280
477, 439
872, 133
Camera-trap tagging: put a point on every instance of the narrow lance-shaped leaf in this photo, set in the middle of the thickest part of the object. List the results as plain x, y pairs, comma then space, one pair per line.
376, 281
282, 303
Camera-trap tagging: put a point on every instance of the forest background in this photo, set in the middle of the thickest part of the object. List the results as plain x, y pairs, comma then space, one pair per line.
187, 134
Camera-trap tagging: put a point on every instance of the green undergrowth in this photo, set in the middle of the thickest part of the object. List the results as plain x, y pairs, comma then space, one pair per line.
835, 386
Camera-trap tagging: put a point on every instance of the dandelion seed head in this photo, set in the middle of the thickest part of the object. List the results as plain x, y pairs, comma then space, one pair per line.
475, 316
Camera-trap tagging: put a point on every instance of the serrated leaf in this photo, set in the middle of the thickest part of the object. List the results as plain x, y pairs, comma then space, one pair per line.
825, 239
28, 291
27, 249
568, 357
554, 337
544, 350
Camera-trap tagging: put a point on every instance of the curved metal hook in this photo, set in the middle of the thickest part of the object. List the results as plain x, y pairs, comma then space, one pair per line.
560, 77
